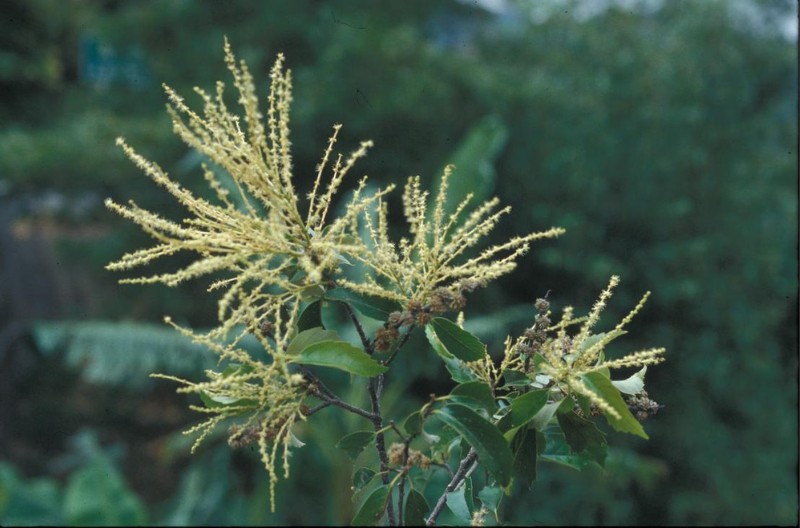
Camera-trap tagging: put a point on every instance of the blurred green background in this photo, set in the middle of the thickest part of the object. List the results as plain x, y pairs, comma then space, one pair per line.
661, 134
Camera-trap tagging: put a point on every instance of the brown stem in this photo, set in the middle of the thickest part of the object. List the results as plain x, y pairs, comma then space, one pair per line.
463, 469
375, 389
318, 389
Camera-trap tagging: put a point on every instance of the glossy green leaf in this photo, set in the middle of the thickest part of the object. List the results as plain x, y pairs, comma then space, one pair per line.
309, 337
457, 369
311, 317
525, 407
493, 450
340, 355
374, 307
475, 394
416, 509
354, 443
457, 341
373, 508
603, 387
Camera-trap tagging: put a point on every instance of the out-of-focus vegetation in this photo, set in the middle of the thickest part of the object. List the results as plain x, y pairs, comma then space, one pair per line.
662, 135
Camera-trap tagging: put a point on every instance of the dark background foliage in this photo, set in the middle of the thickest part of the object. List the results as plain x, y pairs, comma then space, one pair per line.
662, 135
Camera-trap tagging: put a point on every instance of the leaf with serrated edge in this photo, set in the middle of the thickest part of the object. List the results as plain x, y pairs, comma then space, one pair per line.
493, 450
457, 341
602, 386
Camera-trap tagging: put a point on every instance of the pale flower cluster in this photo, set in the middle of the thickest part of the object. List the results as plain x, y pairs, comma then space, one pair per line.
567, 358
433, 257
272, 253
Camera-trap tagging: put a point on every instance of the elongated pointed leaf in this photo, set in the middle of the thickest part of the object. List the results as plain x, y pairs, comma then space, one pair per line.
354, 443
457, 369
475, 394
416, 509
603, 387
457, 341
525, 407
309, 337
493, 450
340, 355
374, 307
373, 508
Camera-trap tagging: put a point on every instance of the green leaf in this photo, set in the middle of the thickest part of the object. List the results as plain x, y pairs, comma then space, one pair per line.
458, 370
29, 502
582, 435
122, 354
354, 443
469, 494
493, 450
457, 341
362, 477
309, 337
413, 423
475, 158
490, 497
544, 415
525, 407
474, 394
457, 503
214, 401
311, 317
377, 308
416, 509
373, 508
603, 387
526, 451
557, 450
340, 355
515, 378
632, 385
97, 495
